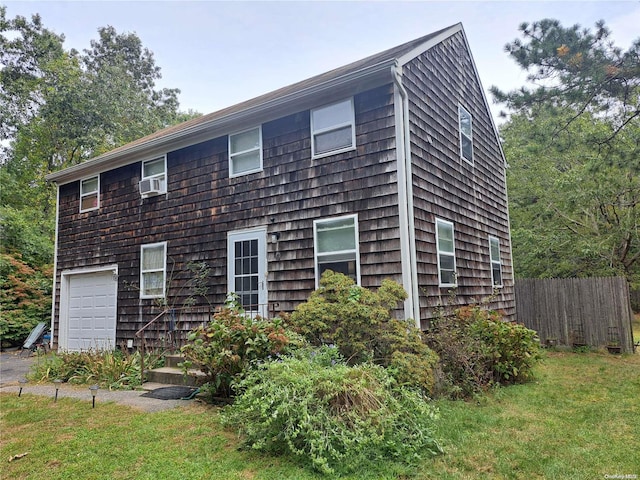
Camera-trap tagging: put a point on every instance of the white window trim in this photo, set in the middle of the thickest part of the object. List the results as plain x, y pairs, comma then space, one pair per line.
493, 261
259, 148
158, 175
352, 123
315, 245
164, 270
453, 253
259, 233
461, 134
87, 194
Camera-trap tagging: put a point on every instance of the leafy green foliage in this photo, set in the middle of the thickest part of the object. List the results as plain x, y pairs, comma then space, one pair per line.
335, 417
359, 322
478, 349
574, 213
572, 145
25, 298
577, 70
115, 369
23, 232
233, 340
61, 107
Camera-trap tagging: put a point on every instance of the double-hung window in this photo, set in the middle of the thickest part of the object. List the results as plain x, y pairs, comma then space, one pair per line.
466, 134
496, 263
245, 152
153, 270
446, 253
336, 246
333, 128
154, 176
90, 193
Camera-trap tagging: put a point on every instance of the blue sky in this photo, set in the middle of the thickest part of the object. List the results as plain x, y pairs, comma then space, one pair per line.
221, 53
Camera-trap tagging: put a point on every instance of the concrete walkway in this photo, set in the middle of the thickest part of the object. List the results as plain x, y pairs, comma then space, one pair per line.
14, 366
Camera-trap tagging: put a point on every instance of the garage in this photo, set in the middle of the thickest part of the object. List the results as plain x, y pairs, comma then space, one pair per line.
88, 310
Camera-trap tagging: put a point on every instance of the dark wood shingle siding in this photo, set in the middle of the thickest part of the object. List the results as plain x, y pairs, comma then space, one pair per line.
203, 204
473, 197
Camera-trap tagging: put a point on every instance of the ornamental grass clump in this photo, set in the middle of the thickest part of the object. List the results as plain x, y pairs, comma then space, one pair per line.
113, 369
330, 415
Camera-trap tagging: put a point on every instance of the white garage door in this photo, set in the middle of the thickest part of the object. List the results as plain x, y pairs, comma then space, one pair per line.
91, 311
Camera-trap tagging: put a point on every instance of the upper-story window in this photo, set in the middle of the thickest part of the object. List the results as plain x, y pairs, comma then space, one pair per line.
466, 134
245, 152
496, 263
153, 270
90, 193
333, 128
336, 246
445, 244
154, 176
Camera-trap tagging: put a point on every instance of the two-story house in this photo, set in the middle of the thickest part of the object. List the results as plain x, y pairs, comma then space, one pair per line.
389, 167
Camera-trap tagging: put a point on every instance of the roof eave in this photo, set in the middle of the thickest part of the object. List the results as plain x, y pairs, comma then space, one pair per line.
211, 128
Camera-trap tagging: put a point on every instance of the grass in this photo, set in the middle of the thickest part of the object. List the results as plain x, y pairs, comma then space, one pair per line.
579, 419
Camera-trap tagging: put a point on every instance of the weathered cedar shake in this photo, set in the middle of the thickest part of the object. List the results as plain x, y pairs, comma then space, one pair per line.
473, 197
203, 204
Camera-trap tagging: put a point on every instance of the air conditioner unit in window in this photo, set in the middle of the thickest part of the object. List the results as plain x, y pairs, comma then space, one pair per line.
150, 186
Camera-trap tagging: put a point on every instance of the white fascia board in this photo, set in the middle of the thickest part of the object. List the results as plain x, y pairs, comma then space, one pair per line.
432, 42
287, 104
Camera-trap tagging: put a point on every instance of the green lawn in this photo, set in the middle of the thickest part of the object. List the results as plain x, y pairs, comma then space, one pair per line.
580, 419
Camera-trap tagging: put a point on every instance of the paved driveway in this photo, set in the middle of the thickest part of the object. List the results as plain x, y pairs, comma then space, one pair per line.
13, 366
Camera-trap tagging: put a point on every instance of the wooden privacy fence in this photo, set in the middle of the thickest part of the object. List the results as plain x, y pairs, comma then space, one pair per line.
594, 312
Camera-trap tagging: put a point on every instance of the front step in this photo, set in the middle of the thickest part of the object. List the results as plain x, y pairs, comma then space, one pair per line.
171, 374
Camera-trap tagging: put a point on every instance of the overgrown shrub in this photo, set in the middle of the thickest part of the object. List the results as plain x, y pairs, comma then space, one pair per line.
478, 349
359, 322
330, 415
25, 298
115, 369
226, 346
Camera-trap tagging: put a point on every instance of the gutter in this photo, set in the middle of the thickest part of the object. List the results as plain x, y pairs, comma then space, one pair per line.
216, 126
405, 201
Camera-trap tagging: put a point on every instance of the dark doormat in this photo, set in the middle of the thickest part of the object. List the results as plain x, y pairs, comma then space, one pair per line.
170, 393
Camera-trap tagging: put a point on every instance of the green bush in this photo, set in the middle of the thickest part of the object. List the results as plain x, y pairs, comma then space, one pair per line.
231, 342
25, 298
478, 349
115, 369
359, 322
330, 415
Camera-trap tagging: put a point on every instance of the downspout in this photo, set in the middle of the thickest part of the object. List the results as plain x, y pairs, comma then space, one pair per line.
405, 200
55, 266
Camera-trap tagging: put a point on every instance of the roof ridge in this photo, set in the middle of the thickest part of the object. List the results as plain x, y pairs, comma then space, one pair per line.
296, 87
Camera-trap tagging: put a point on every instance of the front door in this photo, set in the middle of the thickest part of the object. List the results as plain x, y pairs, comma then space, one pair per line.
247, 268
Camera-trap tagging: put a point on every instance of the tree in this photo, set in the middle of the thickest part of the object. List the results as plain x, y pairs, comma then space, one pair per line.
572, 145
572, 214
578, 71
58, 108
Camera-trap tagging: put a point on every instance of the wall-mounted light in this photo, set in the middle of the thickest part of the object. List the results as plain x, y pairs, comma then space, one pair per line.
94, 392
57, 382
275, 236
